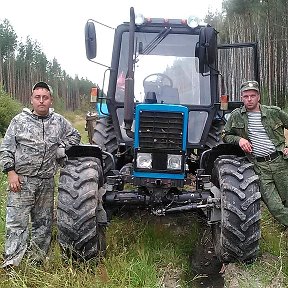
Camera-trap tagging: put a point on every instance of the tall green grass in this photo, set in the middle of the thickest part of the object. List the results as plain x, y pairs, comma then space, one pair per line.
271, 267
146, 251
79, 122
142, 251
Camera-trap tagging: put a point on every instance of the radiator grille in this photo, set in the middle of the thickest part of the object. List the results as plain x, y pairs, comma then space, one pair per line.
161, 130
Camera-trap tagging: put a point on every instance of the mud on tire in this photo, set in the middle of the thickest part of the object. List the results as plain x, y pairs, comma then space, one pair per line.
79, 232
236, 238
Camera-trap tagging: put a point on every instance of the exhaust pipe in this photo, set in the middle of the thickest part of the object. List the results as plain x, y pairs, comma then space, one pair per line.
129, 81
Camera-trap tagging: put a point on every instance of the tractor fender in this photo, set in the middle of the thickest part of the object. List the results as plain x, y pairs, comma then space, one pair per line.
85, 151
209, 156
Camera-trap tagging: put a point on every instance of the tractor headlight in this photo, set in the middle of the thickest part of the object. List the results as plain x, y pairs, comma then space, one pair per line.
174, 162
139, 19
144, 160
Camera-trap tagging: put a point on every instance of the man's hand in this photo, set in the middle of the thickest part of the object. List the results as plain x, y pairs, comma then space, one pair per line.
285, 151
245, 145
61, 157
14, 181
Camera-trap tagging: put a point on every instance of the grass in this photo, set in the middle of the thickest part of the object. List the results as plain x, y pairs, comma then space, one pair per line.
147, 252
79, 123
142, 251
271, 267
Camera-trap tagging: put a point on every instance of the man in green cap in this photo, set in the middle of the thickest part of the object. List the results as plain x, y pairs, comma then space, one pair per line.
259, 131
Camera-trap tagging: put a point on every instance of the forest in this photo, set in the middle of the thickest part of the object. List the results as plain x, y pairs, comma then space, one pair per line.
262, 21
266, 23
23, 64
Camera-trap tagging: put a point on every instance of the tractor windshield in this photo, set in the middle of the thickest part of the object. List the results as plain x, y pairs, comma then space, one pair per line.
168, 69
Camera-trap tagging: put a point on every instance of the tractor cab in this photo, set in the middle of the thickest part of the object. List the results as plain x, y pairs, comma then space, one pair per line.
169, 69
167, 62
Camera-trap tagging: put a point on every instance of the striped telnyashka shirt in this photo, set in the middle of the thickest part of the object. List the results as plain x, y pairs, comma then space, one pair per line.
261, 144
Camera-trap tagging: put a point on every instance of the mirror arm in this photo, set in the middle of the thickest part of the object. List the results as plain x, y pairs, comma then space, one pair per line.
101, 24
99, 63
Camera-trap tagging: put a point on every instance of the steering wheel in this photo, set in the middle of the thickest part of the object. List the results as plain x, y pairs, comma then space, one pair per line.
159, 82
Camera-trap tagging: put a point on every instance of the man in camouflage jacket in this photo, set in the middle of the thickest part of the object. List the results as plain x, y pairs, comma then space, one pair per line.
259, 131
28, 154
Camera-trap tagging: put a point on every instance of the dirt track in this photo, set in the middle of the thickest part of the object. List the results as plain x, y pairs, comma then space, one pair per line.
204, 266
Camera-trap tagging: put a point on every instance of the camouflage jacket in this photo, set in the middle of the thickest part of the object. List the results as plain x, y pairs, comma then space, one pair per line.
30, 143
273, 119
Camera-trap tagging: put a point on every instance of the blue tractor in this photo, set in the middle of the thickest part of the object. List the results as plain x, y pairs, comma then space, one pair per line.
158, 129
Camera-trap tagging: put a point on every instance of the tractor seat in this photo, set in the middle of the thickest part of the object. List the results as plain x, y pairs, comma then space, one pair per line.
168, 95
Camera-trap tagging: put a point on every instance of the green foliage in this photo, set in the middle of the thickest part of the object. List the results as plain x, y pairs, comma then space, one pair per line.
274, 237
8, 39
79, 122
8, 109
241, 6
85, 86
24, 63
59, 104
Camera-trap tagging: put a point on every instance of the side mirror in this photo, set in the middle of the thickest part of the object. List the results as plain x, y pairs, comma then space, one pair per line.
90, 40
206, 48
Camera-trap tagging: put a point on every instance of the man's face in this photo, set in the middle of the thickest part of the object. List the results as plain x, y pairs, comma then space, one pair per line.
251, 99
41, 101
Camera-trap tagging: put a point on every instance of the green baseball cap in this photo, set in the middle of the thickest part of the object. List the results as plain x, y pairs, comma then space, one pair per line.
249, 85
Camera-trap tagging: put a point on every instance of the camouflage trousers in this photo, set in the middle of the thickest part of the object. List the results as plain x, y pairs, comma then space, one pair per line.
34, 202
274, 186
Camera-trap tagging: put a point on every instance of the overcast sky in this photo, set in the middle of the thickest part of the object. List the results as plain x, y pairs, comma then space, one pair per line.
58, 25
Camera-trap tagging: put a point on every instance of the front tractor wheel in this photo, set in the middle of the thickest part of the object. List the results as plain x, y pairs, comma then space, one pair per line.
236, 237
79, 205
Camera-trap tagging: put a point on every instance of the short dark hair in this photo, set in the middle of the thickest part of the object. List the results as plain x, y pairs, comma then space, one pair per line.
42, 84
